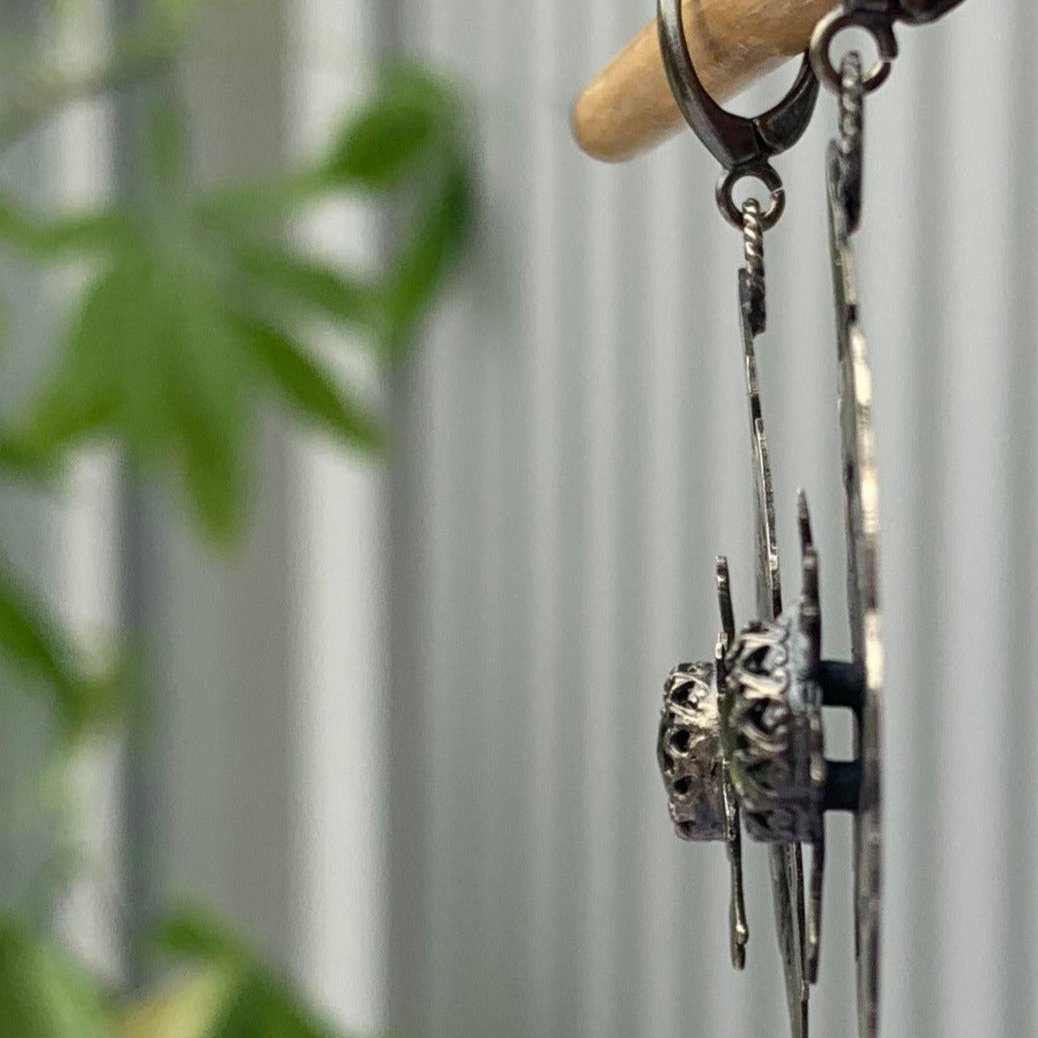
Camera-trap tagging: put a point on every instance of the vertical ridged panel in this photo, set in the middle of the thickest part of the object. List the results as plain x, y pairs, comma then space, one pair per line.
338, 593
584, 455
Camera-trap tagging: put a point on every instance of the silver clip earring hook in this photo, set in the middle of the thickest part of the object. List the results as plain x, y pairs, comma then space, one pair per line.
743, 146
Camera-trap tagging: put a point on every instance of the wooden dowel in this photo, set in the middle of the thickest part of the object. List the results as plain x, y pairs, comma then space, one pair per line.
628, 108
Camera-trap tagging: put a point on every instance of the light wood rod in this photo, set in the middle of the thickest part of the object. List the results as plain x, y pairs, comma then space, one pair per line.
628, 107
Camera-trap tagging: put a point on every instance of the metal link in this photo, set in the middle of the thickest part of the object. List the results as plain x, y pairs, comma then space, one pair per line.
878, 24
769, 177
752, 281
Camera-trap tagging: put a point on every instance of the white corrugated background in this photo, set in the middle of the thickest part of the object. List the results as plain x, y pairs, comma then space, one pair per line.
574, 454
486, 852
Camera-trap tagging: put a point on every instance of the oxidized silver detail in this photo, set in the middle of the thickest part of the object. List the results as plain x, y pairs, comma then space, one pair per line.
773, 733
773, 730
689, 753
774, 736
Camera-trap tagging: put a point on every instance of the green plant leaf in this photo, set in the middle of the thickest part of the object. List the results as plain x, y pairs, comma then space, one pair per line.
68, 412
310, 390
153, 358
110, 370
262, 1009
158, 357
384, 144
430, 249
101, 229
315, 285
29, 640
187, 1008
259, 1005
412, 115
32, 643
411, 123
208, 378
43, 994
22, 458
232, 207
195, 933
213, 476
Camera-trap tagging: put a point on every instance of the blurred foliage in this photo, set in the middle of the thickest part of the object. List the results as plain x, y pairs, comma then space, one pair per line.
199, 309
35, 647
43, 993
195, 313
196, 306
221, 990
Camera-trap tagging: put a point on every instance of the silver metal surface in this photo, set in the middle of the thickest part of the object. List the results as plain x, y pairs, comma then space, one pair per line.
878, 18
746, 733
807, 661
880, 24
851, 141
743, 146
689, 753
786, 859
773, 732
763, 743
725, 741
862, 498
739, 933
701, 798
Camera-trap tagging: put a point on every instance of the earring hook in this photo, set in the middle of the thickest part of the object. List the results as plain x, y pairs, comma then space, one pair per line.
743, 146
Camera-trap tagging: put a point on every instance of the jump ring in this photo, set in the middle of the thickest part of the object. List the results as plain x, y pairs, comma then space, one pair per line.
828, 28
769, 177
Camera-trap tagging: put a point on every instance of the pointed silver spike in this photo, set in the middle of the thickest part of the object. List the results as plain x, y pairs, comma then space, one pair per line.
724, 599
738, 928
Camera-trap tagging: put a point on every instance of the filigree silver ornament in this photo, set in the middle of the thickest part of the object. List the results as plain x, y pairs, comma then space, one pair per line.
774, 735
689, 752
